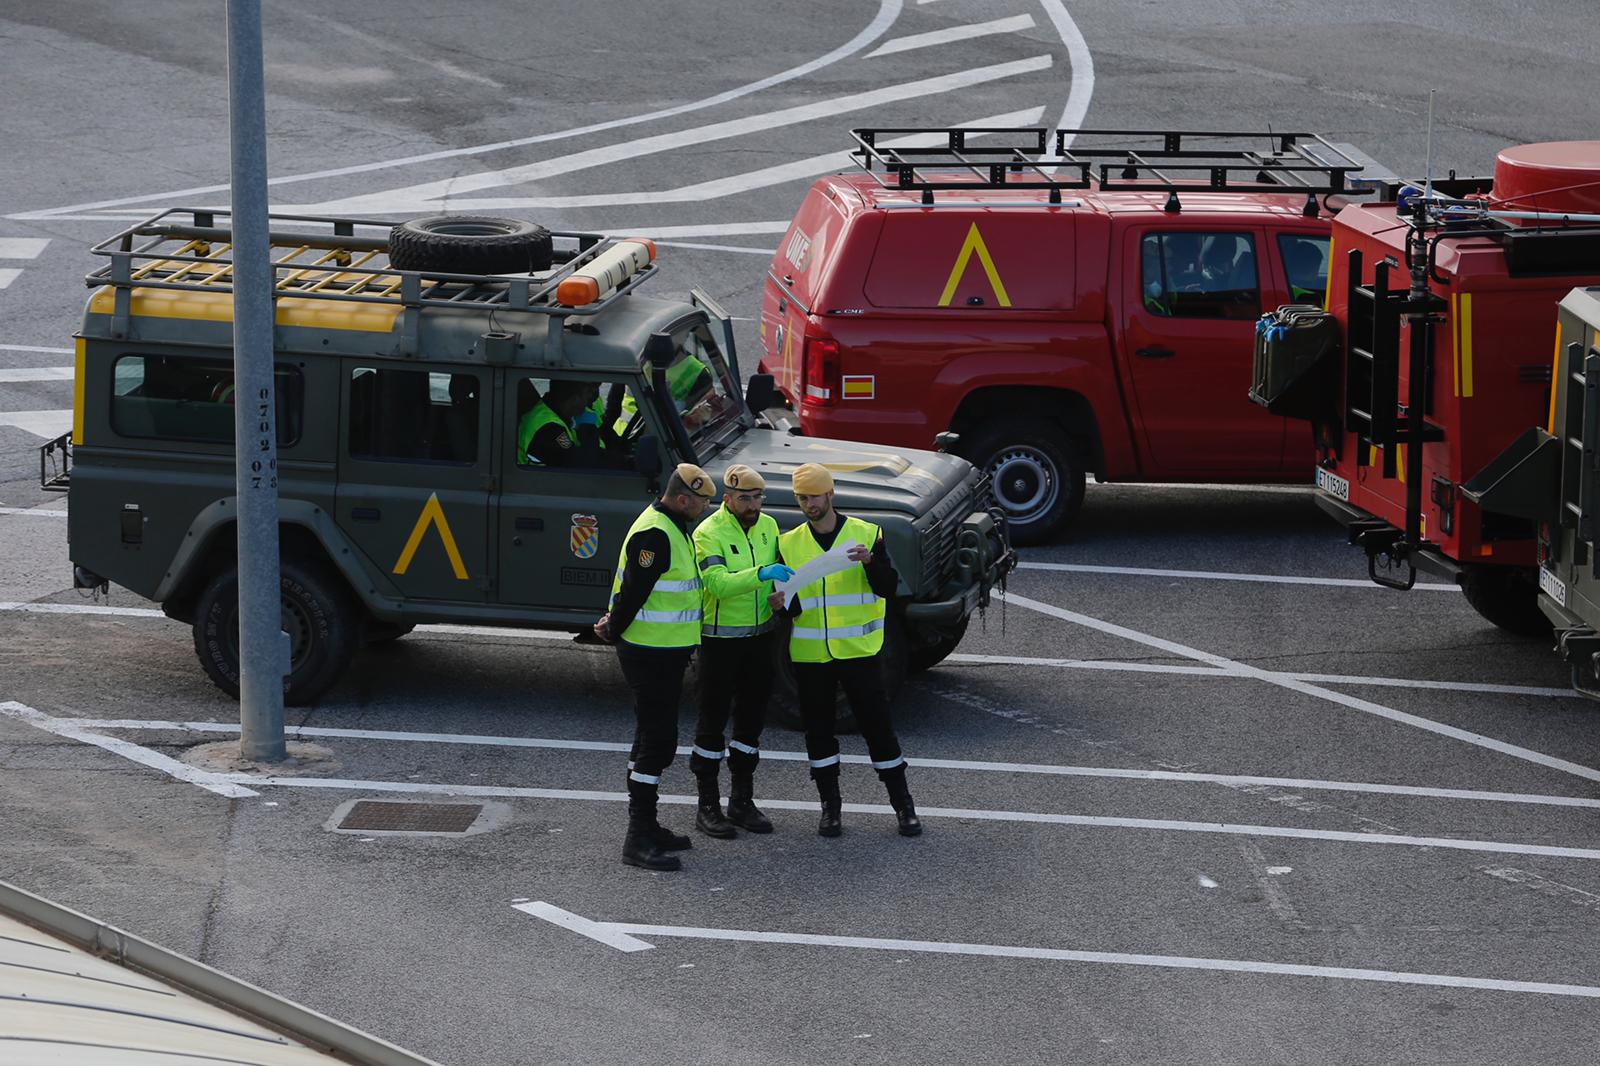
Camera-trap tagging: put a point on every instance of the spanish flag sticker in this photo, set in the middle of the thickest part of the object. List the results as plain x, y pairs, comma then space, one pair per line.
860, 386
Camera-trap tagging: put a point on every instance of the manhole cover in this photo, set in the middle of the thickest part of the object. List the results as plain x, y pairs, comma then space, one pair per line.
378, 816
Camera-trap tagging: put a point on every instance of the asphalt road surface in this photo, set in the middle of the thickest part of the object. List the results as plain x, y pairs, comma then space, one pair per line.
1195, 793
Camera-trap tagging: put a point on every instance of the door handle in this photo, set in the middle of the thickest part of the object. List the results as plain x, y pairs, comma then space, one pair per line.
535, 525
365, 514
1155, 353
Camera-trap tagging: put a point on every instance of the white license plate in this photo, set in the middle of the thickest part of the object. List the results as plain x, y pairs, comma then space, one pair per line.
1552, 586
1333, 485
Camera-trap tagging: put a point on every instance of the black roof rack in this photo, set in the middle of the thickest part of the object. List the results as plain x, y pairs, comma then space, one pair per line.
333, 259
340, 259
1169, 161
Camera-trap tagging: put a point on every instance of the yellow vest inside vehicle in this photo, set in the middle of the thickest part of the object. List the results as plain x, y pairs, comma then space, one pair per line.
840, 617
670, 617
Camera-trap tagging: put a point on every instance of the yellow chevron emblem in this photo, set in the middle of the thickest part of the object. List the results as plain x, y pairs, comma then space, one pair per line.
974, 245
432, 515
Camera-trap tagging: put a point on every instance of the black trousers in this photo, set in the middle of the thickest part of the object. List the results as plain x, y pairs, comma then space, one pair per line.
656, 677
862, 681
736, 677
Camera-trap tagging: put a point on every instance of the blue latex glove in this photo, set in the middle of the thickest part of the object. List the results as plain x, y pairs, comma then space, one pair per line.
775, 572
586, 418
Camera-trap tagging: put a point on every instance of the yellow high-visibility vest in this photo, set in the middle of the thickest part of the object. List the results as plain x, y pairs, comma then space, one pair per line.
840, 616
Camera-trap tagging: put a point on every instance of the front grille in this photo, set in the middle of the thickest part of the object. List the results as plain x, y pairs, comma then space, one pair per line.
939, 538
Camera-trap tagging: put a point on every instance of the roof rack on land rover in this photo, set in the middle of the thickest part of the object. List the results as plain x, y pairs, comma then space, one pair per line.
1016, 158
341, 259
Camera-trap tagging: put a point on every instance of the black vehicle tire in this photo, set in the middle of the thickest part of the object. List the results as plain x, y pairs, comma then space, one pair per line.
317, 614
385, 632
1036, 474
784, 709
1508, 597
926, 656
469, 244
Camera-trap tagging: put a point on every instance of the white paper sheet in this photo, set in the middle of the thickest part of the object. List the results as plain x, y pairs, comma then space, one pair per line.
834, 560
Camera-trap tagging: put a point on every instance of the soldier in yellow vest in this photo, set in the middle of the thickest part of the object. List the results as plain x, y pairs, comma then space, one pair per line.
654, 620
738, 548
837, 634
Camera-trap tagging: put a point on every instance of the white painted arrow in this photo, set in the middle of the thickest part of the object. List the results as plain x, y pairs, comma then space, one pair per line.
621, 935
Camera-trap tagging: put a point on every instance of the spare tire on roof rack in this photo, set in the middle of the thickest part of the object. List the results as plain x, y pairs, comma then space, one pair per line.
469, 244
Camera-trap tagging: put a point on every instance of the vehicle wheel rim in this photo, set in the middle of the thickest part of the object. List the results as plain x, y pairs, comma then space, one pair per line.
1025, 483
295, 622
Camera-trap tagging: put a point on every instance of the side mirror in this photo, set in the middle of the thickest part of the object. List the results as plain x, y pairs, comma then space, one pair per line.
647, 456
760, 392
660, 350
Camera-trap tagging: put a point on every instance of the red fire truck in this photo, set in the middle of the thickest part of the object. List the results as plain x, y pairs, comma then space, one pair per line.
1433, 357
1088, 314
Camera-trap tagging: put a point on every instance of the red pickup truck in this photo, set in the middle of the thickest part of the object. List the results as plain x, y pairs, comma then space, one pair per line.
1094, 314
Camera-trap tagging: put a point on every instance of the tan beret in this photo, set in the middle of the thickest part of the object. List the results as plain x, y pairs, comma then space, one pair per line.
812, 479
743, 478
698, 480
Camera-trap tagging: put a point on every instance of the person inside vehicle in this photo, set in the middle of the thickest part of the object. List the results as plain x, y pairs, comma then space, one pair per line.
563, 429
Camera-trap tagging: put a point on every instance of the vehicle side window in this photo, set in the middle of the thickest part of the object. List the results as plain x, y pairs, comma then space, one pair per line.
414, 415
169, 397
1200, 275
576, 422
1305, 260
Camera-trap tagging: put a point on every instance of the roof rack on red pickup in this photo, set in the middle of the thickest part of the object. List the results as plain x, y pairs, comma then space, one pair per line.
1291, 162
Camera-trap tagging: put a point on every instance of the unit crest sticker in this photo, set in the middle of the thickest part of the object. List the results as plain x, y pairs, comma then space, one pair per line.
585, 539
646, 558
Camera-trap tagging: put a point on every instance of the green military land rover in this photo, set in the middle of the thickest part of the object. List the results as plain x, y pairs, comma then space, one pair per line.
409, 362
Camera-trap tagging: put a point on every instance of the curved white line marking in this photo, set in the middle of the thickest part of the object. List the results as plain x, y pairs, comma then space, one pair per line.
888, 12
1082, 66
963, 32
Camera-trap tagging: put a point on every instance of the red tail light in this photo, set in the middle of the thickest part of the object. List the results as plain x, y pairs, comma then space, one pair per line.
821, 371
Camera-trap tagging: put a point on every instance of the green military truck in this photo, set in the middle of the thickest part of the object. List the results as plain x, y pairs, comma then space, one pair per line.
405, 359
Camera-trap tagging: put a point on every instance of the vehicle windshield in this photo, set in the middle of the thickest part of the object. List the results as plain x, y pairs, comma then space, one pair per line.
703, 390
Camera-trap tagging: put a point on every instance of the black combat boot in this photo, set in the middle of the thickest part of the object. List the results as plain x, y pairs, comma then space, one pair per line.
900, 799
709, 818
664, 838
639, 847
742, 810
828, 789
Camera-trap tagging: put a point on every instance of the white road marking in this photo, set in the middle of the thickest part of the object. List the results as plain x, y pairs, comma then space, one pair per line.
34, 348
1082, 90
596, 930
1206, 882
731, 184
36, 373
1223, 575
888, 11
1207, 486
979, 765
967, 32
1119, 666
72, 730
8, 275
45, 424
434, 195
382, 45
809, 806
39, 512
604, 932
766, 252
959, 658
22, 247
220, 782
1282, 681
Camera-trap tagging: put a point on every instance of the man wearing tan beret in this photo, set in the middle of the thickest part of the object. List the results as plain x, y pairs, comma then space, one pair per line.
654, 620
738, 548
835, 642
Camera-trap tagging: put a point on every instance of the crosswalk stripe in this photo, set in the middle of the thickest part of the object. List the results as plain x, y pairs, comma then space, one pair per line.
8, 275
44, 424
22, 247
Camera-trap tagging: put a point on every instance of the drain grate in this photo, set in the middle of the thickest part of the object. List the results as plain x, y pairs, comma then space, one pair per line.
379, 816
